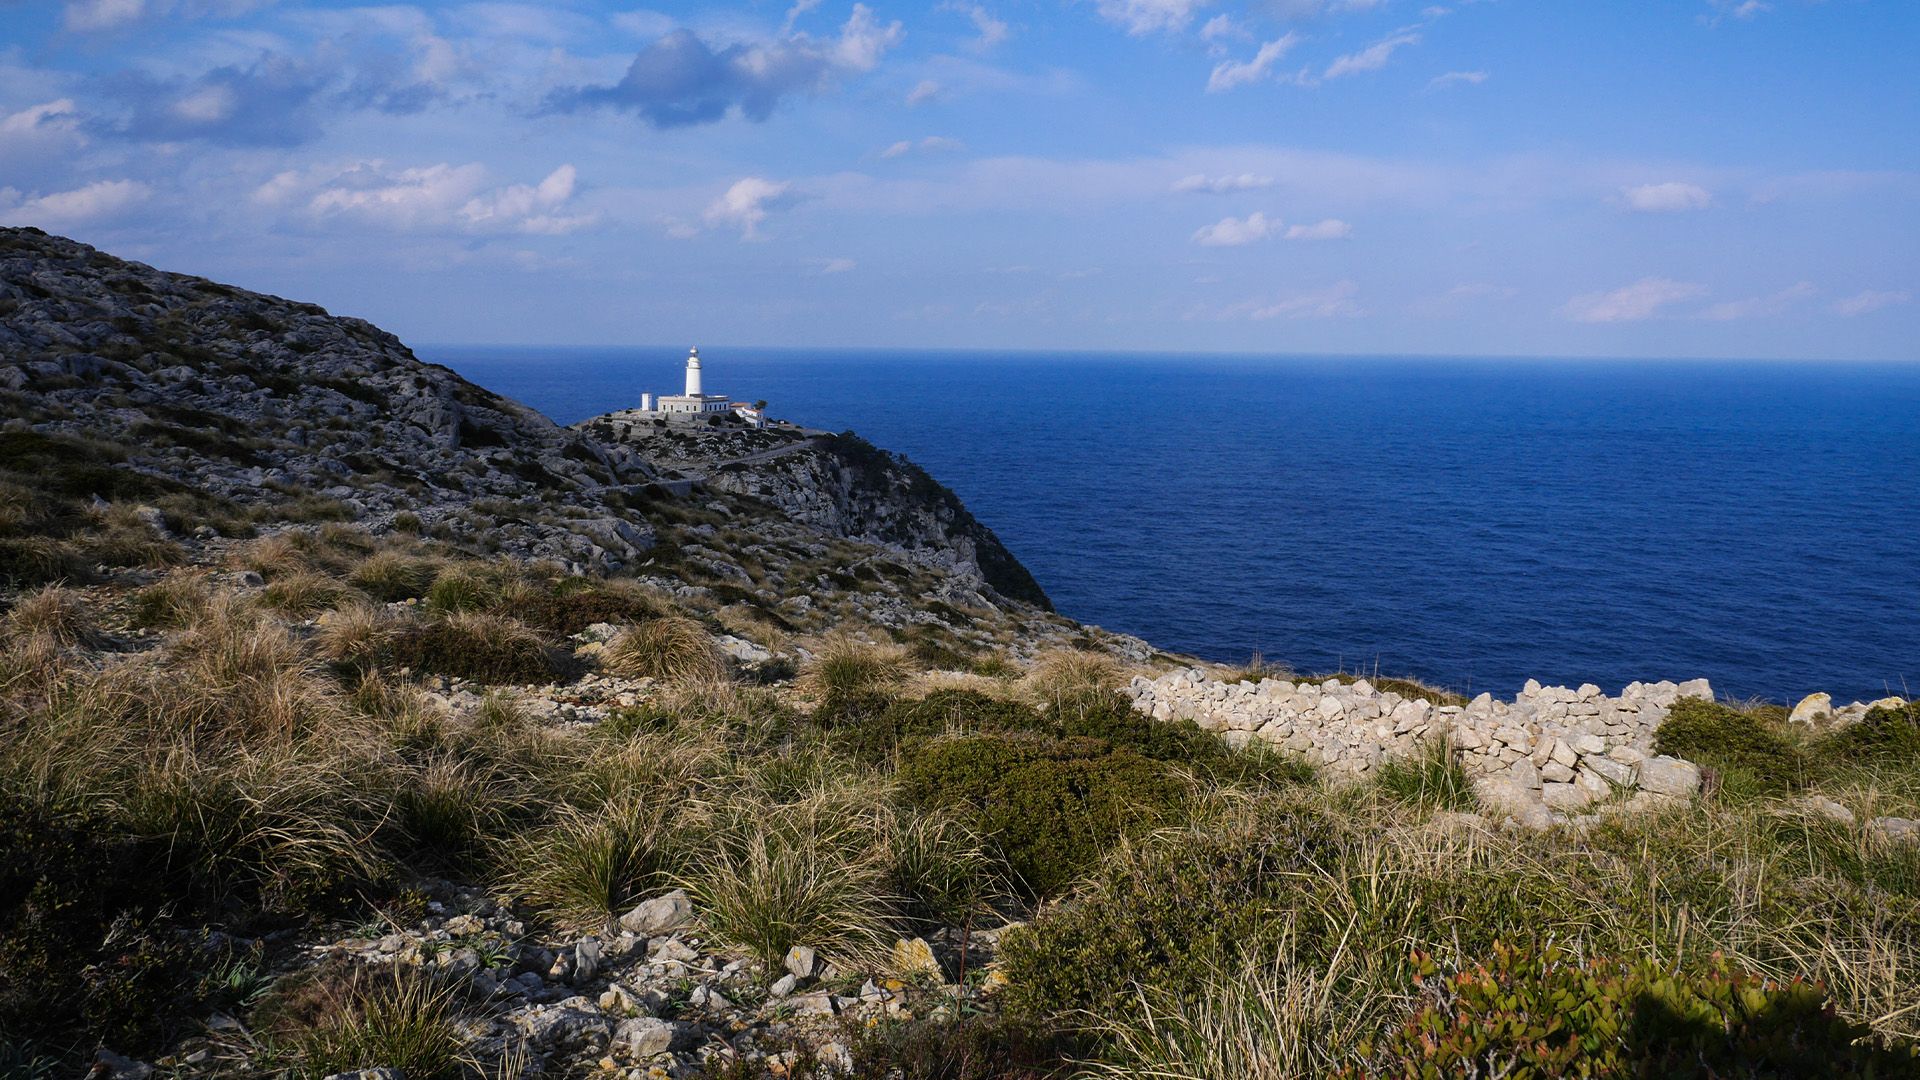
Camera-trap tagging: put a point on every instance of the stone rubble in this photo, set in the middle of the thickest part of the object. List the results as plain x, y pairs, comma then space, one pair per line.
1549, 753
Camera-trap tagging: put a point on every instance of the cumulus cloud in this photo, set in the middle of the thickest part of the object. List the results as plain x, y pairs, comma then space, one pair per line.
1667, 198
681, 79
930, 144
64, 209
1372, 58
1330, 229
1336, 301
277, 101
1630, 303
1456, 78
1755, 307
1869, 302
440, 197
747, 203
1231, 73
923, 91
1143, 17
1221, 184
1234, 232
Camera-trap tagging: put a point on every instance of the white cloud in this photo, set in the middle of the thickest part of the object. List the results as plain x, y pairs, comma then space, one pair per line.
91, 16
930, 144
1143, 17
38, 119
440, 197
1222, 184
1457, 78
799, 8
1234, 232
1336, 301
746, 204
1870, 301
923, 91
992, 30
61, 209
1330, 229
836, 266
863, 40
1372, 58
1667, 198
1755, 307
1230, 73
1630, 303
1736, 9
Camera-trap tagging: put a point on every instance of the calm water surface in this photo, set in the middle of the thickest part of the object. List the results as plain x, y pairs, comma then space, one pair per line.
1473, 522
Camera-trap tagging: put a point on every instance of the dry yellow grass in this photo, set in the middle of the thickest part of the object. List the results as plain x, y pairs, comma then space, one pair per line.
672, 648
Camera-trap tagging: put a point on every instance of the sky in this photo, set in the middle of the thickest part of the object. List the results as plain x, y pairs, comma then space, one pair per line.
1636, 178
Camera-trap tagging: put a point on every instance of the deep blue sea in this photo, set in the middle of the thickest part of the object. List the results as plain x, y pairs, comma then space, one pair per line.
1471, 522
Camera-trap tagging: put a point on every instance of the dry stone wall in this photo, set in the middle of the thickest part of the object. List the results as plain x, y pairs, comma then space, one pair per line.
1550, 753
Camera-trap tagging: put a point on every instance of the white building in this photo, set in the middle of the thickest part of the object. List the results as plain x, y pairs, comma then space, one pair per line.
694, 401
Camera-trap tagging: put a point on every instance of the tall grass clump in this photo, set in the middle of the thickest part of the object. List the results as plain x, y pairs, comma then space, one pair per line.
391, 576
589, 866
173, 602
474, 645
775, 875
672, 648
1061, 674
305, 593
1432, 778
395, 1018
461, 588
845, 666
55, 615
239, 674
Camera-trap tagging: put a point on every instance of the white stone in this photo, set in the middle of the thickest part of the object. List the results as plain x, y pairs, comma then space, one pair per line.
1812, 709
1669, 776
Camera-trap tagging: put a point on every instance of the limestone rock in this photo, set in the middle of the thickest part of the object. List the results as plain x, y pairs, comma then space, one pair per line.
1665, 775
1813, 709
659, 915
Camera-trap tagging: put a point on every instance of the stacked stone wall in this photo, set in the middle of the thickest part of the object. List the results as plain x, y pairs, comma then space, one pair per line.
1550, 753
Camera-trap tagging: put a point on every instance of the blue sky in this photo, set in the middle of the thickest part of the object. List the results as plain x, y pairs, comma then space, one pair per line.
1541, 177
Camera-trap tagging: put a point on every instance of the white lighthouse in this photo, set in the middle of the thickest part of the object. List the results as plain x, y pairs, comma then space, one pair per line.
693, 373
692, 404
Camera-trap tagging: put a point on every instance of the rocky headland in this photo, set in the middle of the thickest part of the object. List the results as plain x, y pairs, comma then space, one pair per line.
358, 722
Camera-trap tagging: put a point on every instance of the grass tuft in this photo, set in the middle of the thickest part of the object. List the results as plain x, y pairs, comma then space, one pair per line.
672, 648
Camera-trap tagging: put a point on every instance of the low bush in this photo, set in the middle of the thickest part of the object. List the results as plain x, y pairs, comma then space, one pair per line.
1543, 1013
1748, 754
874, 727
1885, 734
1052, 807
965, 1048
572, 604
673, 649
1108, 716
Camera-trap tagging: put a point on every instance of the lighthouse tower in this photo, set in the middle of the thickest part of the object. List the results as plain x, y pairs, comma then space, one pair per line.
693, 372
696, 403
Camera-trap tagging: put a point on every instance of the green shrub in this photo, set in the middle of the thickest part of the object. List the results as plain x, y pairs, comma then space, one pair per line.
1541, 1013
1110, 717
1749, 755
873, 728
1169, 915
1884, 734
574, 603
965, 1048
1053, 808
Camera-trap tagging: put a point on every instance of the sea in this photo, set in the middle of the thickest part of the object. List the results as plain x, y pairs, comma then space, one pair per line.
1470, 522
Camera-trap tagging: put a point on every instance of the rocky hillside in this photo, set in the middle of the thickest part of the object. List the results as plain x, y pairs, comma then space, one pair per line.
212, 410
839, 484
